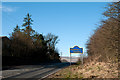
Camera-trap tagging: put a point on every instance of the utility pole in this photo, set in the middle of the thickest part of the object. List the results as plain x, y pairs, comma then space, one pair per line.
61, 55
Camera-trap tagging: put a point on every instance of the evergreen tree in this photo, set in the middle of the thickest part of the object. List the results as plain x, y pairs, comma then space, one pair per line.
28, 31
27, 24
27, 46
17, 29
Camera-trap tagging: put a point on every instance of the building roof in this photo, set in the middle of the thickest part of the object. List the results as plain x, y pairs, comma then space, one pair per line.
2, 37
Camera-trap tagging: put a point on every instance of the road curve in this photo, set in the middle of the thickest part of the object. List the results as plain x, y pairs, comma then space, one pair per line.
32, 72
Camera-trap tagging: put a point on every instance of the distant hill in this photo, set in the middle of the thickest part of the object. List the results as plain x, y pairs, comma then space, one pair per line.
67, 59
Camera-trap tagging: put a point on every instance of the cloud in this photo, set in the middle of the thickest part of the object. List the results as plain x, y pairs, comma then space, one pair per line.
7, 9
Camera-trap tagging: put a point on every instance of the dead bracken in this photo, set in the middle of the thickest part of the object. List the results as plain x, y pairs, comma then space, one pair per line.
89, 70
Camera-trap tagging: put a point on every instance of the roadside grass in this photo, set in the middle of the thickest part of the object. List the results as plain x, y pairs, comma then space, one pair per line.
68, 73
89, 70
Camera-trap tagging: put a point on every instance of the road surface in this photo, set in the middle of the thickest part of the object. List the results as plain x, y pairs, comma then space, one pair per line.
32, 72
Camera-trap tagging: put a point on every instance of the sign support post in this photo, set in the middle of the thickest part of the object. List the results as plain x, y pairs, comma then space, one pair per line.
70, 59
82, 58
76, 49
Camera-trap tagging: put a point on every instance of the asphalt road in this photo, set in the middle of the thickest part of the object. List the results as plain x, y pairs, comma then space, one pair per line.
32, 72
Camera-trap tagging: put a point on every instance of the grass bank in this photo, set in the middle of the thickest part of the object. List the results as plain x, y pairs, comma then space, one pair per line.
89, 70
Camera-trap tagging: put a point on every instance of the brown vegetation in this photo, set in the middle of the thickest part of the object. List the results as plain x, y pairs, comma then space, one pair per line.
105, 40
27, 46
89, 70
102, 49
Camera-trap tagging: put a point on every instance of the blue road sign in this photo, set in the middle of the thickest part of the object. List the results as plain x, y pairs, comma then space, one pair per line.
76, 49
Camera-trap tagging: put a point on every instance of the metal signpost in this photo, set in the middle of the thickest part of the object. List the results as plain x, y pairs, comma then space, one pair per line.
76, 49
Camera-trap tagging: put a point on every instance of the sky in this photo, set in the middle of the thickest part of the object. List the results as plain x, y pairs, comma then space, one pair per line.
72, 22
